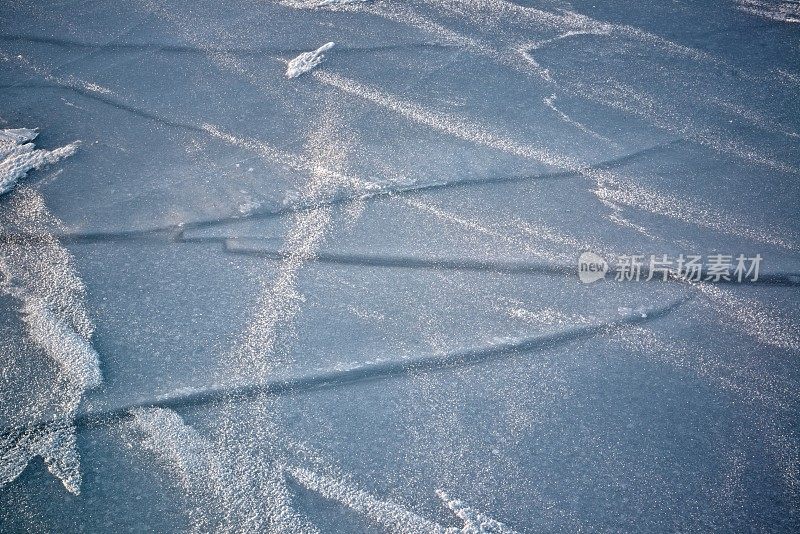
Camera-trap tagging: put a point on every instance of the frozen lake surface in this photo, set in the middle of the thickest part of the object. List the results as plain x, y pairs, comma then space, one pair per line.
312, 266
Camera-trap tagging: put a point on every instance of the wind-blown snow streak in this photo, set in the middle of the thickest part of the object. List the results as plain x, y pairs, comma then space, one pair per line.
449, 124
397, 12
393, 517
38, 272
767, 124
272, 324
474, 521
742, 380
261, 348
548, 317
780, 10
18, 156
488, 13
617, 95
307, 61
323, 3
66, 81
769, 396
616, 192
495, 13
265, 343
303, 164
221, 501
609, 187
518, 235
310, 4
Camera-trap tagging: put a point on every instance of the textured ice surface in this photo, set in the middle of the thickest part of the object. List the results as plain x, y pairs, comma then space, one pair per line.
347, 301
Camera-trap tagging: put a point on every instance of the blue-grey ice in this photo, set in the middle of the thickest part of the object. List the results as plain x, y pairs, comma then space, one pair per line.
252, 281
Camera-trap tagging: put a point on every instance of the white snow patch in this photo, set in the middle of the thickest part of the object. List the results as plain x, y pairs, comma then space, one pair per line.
768, 124
307, 61
18, 156
74, 354
549, 317
39, 272
56, 444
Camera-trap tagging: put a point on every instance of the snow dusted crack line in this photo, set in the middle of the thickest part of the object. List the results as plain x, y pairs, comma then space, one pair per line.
571, 24
504, 348
370, 190
188, 49
609, 188
69, 81
261, 247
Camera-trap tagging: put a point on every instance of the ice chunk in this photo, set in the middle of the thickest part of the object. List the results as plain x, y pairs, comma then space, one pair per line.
15, 136
307, 61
